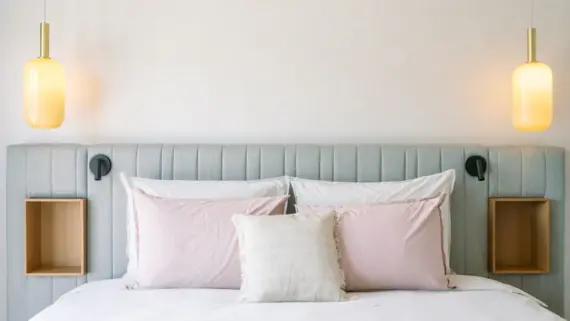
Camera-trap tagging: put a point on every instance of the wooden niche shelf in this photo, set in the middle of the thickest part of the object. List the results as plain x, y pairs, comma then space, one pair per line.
55, 237
519, 235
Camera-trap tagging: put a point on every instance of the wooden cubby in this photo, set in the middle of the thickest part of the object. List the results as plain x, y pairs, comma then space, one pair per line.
55, 237
519, 235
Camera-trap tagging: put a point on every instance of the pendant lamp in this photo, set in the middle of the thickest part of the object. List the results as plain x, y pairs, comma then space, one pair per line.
532, 90
44, 86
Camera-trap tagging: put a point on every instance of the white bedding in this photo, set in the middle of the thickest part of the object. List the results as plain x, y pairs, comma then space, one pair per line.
476, 299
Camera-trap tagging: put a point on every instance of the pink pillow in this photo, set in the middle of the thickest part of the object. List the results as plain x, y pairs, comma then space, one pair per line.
393, 246
187, 243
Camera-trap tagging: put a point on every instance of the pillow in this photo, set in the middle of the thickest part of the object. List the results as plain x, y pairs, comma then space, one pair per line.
194, 190
289, 258
184, 243
322, 193
394, 246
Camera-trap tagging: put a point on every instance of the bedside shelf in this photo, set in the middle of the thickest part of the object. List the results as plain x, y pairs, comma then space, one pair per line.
57, 271
55, 237
519, 235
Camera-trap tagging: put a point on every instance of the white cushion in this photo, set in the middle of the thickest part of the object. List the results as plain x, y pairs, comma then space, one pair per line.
205, 190
322, 193
289, 258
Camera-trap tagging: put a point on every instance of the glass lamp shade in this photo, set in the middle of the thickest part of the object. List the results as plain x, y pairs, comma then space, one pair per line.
44, 93
532, 97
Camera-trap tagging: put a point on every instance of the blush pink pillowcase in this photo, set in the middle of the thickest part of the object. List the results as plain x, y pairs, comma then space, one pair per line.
393, 246
187, 243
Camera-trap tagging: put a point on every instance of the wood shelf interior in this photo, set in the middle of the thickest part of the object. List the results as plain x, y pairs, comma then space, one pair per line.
55, 237
519, 236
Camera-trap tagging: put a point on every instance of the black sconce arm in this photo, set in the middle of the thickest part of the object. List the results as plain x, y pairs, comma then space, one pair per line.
100, 165
476, 166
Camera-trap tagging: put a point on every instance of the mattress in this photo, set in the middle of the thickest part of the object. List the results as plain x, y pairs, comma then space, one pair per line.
474, 299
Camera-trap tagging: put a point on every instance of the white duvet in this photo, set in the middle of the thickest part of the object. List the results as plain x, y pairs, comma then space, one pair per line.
477, 299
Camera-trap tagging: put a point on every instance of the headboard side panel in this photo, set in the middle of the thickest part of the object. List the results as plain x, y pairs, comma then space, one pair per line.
535, 172
61, 171
38, 171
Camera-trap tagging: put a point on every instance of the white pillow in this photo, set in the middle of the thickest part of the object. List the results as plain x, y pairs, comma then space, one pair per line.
323, 193
289, 258
206, 190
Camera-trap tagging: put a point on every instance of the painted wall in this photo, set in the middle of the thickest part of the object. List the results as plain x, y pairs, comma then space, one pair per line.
407, 71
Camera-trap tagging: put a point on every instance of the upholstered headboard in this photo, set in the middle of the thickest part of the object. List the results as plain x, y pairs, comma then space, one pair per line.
62, 171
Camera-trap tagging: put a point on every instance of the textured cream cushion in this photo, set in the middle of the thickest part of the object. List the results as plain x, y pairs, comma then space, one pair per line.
289, 258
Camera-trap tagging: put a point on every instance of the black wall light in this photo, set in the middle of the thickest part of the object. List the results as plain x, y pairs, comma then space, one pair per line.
100, 165
476, 166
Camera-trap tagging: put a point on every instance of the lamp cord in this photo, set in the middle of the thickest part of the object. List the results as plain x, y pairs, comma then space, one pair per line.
533, 7
45, 10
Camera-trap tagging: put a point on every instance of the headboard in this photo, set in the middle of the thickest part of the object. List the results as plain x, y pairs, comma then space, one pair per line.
62, 171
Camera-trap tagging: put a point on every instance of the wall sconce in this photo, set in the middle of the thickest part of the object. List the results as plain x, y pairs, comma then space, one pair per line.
476, 166
100, 165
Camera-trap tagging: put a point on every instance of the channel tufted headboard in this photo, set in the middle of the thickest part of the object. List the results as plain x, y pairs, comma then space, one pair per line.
62, 171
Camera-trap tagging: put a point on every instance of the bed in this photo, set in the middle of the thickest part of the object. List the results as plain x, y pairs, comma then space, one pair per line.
475, 299
60, 170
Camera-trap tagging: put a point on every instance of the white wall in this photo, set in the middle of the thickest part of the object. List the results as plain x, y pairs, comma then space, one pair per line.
408, 71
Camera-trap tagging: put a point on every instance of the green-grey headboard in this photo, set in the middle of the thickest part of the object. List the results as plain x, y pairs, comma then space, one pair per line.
62, 171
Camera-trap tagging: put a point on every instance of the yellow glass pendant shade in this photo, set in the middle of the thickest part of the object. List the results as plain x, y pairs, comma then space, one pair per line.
44, 88
44, 93
532, 92
532, 96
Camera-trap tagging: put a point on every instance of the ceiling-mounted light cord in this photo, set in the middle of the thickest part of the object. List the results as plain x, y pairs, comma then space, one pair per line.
532, 9
45, 10
531, 36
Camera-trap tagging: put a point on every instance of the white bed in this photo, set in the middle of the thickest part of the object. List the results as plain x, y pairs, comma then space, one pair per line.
476, 299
